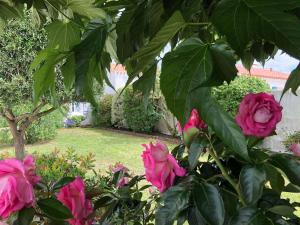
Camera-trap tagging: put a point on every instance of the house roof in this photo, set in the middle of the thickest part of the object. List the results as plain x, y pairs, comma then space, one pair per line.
262, 73
117, 68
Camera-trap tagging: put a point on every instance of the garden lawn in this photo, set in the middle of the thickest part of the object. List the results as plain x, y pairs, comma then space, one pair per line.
108, 146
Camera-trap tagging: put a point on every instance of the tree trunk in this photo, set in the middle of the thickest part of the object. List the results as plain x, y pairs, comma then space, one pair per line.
19, 140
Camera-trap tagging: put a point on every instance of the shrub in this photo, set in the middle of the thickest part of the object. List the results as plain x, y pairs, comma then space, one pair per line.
74, 121
290, 139
45, 128
230, 95
140, 116
3, 122
102, 114
117, 111
57, 164
5, 136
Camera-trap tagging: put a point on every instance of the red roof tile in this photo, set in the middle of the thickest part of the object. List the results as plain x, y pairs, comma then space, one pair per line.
117, 68
263, 73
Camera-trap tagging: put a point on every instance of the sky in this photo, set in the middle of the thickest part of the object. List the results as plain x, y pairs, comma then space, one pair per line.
282, 63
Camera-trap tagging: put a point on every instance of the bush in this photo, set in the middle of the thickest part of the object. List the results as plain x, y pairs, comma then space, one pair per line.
5, 136
293, 138
117, 111
45, 128
74, 121
139, 115
102, 114
55, 165
230, 96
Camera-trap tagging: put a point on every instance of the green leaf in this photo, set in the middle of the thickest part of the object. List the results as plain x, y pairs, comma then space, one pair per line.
283, 210
293, 82
8, 10
63, 35
175, 200
183, 72
86, 53
25, 216
231, 204
54, 209
62, 182
243, 21
292, 188
252, 181
290, 166
209, 203
224, 126
149, 52
250, 216
146, 82
68, 72
103, 202
275, 178
44, 76
195, 151
86, 8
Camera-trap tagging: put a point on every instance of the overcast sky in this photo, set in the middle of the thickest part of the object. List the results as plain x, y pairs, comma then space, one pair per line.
282, 63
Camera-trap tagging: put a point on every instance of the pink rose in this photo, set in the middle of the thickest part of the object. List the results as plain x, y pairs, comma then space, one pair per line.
122, 182
161, 168
16, 185
2, 223
194, 121
259, 114
295, 147
73, 197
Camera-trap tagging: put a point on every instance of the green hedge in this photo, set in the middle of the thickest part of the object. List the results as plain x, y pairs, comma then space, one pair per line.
101, 116
291, 139
140, 116
117, 111
230, 96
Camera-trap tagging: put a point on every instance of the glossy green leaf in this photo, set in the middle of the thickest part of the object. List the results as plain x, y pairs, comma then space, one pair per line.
293, 82
209, 203
25, 216
63, 35
223, 125
231, 204
283, 210
103, 201
62, 182
175, 200
86, 8
291, 188
54, 209
274, 177
250, 216
243, 21
195, 151
290, 166
149, 52
252, 181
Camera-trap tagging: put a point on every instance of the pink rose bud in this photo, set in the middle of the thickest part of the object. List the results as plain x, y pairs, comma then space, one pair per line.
161, 167
295, 148
2, 223
194, 121
16, 185
73, 197
122, 182
119, 167
259, 114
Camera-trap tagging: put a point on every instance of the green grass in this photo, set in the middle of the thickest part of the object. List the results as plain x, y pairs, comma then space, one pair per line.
108, 146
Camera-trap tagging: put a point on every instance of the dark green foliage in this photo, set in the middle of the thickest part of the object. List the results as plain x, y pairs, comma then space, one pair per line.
102, 114
117, 111
230, 95
139, 116
291, 139
77, 119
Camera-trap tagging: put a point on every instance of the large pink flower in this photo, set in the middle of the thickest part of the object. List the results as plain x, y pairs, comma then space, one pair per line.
259, 114
194, 121
161, 167
295, 148
16, 185
73, 197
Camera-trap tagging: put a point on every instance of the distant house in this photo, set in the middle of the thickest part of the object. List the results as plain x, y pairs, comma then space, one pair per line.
275, 79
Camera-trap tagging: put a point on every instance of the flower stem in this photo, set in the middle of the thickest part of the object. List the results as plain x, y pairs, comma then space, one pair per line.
225, 174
